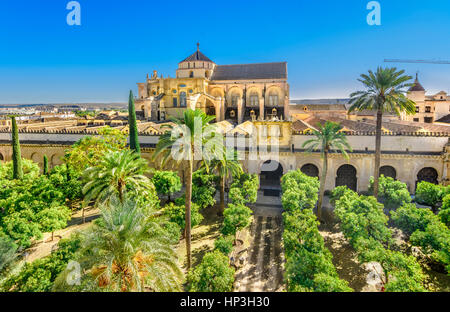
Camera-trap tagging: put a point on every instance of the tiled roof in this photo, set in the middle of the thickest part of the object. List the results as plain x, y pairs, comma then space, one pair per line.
320, 101
417, 86
368, 112
197, 56
300, 126
320, 107
250, 71
426, 127
445, 119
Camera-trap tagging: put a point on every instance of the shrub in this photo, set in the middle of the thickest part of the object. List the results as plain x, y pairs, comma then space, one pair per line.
32, 205
204, 187
21, 227
403, 273
309, 264
444, 212
393, 193
53, 218
426, 230
224, 244
177, 213
362, 217
213, 274
340, 191
173, 231
365, 226
236, 217
299, 191
30, 170
300, 229
68, 181
435, 241
166, 182
244, 189
8, 254
330, 283
39, 275
430, 194
410, 218
236, 197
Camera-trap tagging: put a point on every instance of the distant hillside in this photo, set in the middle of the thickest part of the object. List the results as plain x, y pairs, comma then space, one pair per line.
74, 105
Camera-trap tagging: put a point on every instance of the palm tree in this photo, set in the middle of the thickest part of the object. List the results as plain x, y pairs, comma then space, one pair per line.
329, 137
125, 251
385, 92
226, 166
185, 142
115, 174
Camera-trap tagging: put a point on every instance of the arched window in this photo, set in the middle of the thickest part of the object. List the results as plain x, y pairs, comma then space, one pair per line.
183, 99
254, 99
273, 99
191, 74
234, 100
346, 175
428, 174
388, 171
310, 170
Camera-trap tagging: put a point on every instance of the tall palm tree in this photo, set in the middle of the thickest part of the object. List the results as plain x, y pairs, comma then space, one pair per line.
185, 142
226, 166
329, 137
125, 251
115, 174
385, 92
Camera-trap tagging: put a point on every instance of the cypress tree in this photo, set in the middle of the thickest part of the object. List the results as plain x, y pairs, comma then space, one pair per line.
45, 165
16, 157
132, 124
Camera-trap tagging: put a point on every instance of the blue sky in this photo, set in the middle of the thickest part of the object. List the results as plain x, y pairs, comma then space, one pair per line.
327, 44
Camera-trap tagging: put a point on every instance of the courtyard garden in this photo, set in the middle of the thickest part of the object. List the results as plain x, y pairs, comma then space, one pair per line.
105, 221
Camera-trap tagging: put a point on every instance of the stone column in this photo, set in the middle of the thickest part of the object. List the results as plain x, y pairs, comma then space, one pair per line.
446, 165
240, 109
222, 108
261, 108
286, 109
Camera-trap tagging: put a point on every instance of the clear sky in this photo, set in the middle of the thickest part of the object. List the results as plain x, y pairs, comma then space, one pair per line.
327, 44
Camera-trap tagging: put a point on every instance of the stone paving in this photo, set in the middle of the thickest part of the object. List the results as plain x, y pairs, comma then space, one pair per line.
264, 266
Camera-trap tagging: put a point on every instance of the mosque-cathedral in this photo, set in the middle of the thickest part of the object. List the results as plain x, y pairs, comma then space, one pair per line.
250, 101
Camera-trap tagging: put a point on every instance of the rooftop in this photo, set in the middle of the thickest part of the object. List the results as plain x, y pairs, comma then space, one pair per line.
197, 56
250, 71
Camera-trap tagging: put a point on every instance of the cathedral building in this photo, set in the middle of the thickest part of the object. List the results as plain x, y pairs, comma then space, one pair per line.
252, 108
236, 93
429, 108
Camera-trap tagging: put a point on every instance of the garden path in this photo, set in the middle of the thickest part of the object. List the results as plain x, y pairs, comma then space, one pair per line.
264, 266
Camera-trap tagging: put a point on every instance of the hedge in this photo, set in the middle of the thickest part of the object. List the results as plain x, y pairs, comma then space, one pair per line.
392, 193
426, 231
430, 194
309, 265
365, 226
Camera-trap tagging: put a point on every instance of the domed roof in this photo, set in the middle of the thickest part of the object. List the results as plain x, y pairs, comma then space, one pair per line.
417, 86
197, 56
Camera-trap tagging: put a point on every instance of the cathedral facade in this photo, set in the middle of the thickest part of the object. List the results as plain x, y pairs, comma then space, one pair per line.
236, 93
